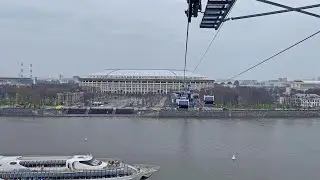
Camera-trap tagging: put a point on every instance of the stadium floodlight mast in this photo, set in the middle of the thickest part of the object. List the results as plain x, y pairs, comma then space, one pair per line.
216, 11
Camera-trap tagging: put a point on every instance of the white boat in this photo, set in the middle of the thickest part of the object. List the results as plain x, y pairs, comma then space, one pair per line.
71, 167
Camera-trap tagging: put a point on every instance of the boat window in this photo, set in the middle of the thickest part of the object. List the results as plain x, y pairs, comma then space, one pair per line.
92, 162
47, 163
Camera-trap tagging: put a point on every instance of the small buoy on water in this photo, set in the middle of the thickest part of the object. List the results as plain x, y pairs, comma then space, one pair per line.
233, 157
86, 139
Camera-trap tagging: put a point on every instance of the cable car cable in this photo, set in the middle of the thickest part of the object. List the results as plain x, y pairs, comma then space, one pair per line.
275, 55
185, 56
213, 39
206, 51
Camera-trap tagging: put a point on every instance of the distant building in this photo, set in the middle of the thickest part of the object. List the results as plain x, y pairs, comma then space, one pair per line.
305, 85
248, 82
50, 80
306, 100
288, 91
301, 85
67, 81
286, 100
282, 100
157, 81
70, 98
47, 81
229, 85
281, 82
16, 81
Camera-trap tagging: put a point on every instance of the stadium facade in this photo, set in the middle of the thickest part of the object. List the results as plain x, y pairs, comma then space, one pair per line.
160, 81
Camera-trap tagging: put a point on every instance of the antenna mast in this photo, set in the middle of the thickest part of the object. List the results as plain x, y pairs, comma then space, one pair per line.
30, 70
21, 70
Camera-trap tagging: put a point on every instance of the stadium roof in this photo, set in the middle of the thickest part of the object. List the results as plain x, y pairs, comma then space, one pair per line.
147, 74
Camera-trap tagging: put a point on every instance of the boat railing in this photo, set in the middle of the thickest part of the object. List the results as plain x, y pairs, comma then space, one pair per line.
65, 174
62, 164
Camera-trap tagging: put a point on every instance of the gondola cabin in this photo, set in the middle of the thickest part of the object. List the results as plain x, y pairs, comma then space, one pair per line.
183, 103
208, 100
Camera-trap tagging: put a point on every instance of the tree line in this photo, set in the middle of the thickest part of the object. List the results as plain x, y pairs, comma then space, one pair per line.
34, 95
46, 94
242, 95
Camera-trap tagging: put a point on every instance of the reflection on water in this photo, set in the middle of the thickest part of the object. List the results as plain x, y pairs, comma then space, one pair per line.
185, 136
285, 149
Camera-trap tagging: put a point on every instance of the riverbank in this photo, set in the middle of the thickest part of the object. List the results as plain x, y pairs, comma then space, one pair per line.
207, 114
242, 114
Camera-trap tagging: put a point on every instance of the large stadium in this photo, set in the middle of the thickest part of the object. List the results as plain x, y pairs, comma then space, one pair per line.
160, 81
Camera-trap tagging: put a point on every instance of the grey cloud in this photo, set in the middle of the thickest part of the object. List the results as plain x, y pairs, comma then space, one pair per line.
79, 37
28, 14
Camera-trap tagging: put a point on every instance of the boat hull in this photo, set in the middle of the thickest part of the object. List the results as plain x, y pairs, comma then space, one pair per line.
66, 176
71, 167
132, 177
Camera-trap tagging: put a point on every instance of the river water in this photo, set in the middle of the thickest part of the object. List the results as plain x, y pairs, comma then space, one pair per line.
266, 149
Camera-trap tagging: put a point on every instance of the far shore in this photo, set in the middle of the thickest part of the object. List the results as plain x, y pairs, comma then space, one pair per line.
168, 113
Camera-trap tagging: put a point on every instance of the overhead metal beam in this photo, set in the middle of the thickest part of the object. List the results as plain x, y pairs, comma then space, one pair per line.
215, 12
289, 8
270, 13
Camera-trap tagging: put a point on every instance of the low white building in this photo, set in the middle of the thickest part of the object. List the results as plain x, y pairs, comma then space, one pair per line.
305, 85
306, 100
281, 82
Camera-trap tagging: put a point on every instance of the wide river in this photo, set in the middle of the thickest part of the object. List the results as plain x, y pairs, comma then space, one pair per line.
266, 149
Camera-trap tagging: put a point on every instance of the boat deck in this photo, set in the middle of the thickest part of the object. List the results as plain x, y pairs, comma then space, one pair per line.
42, 158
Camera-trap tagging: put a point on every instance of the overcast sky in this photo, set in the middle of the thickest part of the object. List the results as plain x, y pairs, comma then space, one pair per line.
79, 37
